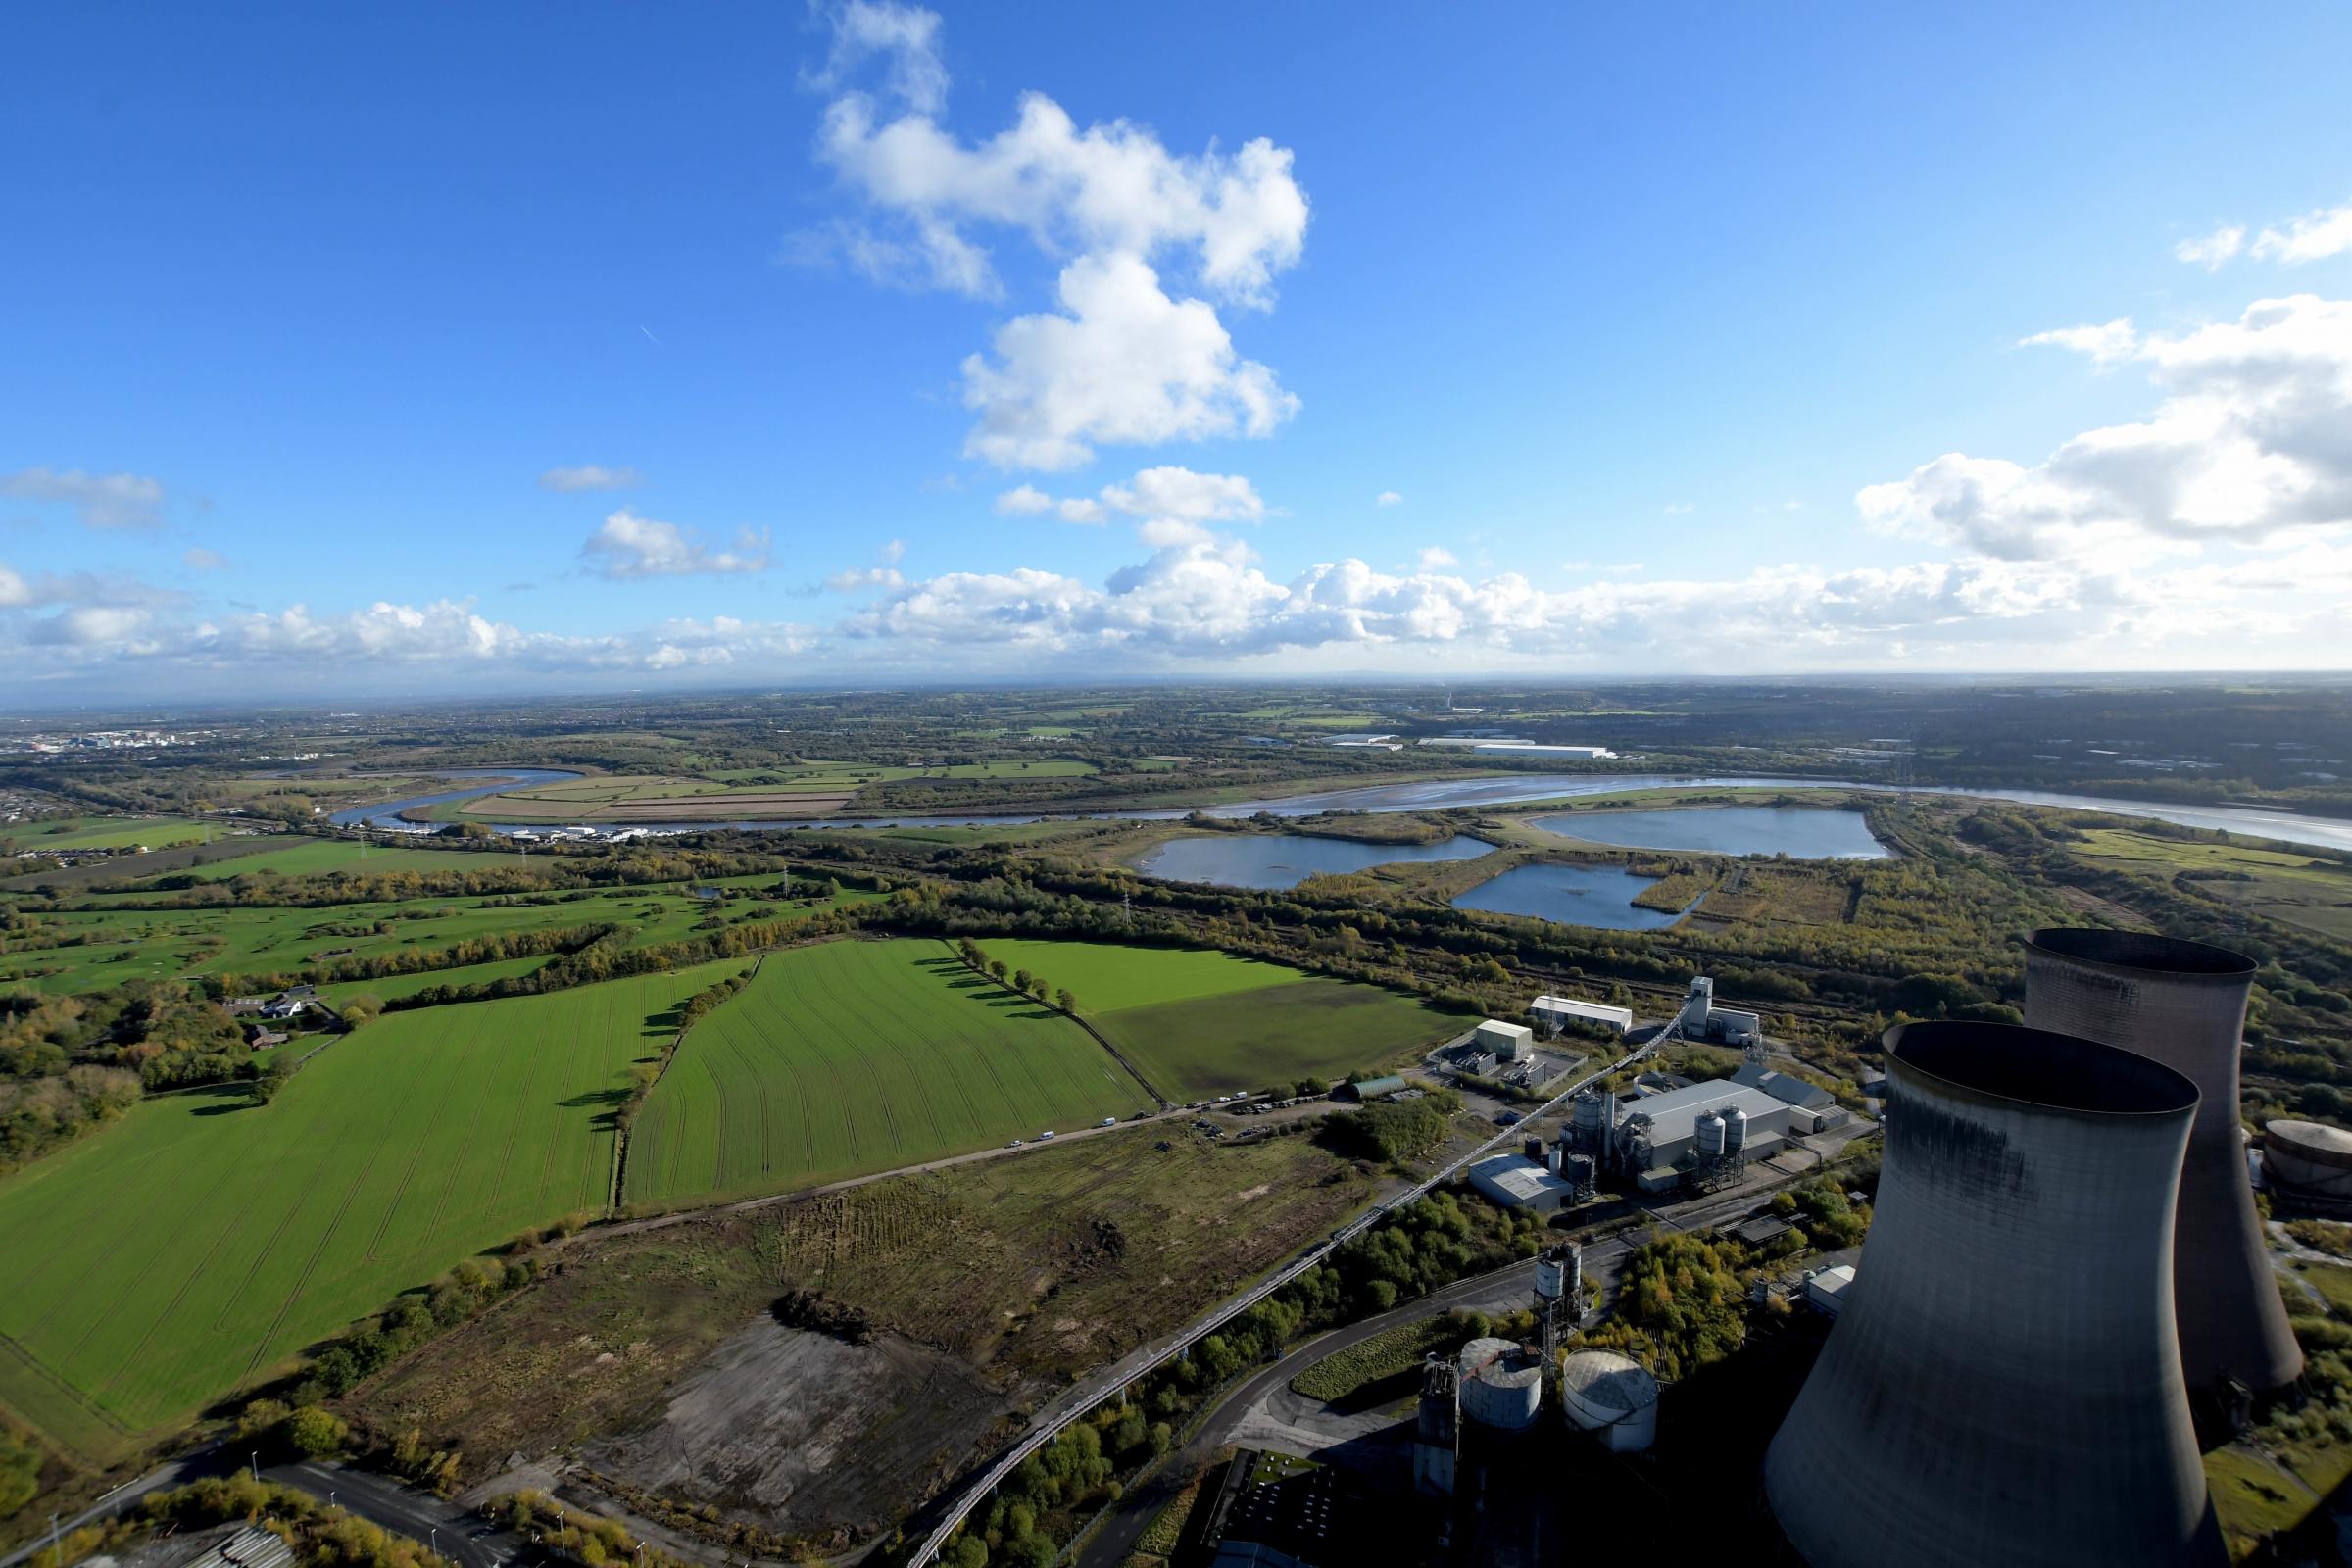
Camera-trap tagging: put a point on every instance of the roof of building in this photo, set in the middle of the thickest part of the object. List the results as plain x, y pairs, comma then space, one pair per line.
1609, 1380
1674, 1115
1831, 1281
1782, 1086
1519, 1178
1515, 1030
1552, 1003
1374, 1088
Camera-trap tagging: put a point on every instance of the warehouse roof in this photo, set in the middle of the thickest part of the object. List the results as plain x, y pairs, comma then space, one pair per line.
1375, 1087
1516, 1178
1782, 1086
1674, 1115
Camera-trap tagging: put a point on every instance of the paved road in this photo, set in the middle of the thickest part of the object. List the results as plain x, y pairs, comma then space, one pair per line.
461, 1535
457, 1533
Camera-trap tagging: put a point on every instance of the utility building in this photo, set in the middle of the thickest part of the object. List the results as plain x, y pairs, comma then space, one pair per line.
1507, 1041
1700, 1019
2185, 1005
2003, 1382
1662, 1139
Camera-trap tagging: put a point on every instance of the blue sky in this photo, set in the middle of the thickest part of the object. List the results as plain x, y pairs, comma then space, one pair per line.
431, 349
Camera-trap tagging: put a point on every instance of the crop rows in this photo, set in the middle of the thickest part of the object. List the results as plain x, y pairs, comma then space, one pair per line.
855, 1056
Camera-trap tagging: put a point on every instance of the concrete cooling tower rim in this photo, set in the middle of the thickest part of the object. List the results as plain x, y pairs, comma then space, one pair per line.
2008, 1065
2138, 953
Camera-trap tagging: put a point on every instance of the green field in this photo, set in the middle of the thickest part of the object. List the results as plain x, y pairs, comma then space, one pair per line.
2301, 889
1202, 1023
318, 856
200, 1242
106, 833
854, 1056
128, 940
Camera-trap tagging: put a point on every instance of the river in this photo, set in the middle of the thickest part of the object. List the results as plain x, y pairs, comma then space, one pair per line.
1499, 789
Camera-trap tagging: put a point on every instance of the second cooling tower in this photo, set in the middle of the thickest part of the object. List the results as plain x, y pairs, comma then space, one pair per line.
2003, 1385
2184, 1004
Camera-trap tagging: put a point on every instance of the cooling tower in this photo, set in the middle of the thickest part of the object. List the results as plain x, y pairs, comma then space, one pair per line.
2184, 1004
2003, 1385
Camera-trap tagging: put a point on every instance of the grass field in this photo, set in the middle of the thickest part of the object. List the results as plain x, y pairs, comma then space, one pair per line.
812, 789
854, 1056
105, 833
128, 940
2299, 889
318, 857
199, 1242
1201, 1023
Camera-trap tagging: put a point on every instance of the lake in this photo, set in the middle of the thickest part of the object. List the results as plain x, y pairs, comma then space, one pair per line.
1804, 833
1286, 860
1600, 895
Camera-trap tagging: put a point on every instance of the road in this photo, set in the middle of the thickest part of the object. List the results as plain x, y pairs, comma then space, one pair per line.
1085, 1396
462, 1536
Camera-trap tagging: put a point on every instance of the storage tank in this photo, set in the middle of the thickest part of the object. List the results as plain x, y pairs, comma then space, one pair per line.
1559, 1155
1735, 1130
2003, 1384
1577, 1171
1551, 1277
1711, 1133
1501, 1387
1586, 1122
1533, 1148
1612, 1396
2184, 1003
2307, 1158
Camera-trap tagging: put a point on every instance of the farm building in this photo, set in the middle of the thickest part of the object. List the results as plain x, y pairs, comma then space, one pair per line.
1508, 1042
1373, 1088
1558, 1011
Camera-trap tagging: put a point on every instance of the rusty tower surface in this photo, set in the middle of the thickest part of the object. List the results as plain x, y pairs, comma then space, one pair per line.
2003, 1385
2184, 1004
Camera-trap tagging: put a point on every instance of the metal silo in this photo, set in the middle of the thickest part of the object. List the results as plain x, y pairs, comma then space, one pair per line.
2003, 1385
1735, 1130
2184, 1003
1709, 1131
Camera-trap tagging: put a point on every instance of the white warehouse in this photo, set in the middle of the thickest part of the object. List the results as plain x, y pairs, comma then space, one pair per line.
1555, 1011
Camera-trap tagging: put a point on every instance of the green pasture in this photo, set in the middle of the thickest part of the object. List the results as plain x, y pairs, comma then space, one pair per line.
1202, 1023
128, 941
322, 857
106, 833
197, 1245
2282, 883
847, 1057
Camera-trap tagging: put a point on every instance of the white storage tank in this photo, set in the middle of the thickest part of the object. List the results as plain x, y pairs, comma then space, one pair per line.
1711, 1133
1501, 1387
1612, 1396
1735, 1130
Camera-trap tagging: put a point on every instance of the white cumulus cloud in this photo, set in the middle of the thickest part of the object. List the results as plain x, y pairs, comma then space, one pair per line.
2251, 445
1128, 356
630, 546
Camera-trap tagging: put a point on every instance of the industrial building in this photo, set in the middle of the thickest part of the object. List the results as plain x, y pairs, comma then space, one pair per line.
2003, 1382
1659, 1140
1557, 1012
1505, 1042
1700, 1019
1613, 1397
2184, 1004
1784, 1087
1369, 1089
1826, 1288
2308, 1160
1539, 1178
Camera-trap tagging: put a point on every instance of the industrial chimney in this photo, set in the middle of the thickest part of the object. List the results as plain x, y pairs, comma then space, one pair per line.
2003, 1385
2184, 1003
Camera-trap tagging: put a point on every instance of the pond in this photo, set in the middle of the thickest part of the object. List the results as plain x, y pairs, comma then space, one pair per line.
1802, 832
1286, 860
1600, 896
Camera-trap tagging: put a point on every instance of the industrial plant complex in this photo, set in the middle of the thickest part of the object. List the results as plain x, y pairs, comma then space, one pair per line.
2064, 1296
